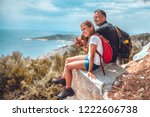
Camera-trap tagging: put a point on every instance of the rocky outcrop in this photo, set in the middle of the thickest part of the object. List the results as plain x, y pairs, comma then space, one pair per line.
134, 85
142, 53
88, 88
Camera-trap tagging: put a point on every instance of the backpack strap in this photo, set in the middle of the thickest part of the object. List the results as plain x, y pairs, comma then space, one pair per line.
118, 34
100, 56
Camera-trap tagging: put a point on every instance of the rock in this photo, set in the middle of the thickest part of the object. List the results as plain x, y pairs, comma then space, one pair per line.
135, 85
88, 88
142, 53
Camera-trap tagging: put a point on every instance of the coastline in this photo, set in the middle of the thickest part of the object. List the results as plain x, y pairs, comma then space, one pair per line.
29, 46
59, 38
67, 37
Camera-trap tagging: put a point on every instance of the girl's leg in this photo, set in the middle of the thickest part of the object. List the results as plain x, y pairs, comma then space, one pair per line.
72, 59
75, 58
61, 79
68, 71
68, 91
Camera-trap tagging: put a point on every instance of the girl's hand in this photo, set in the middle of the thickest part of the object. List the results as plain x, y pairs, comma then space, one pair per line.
91, 75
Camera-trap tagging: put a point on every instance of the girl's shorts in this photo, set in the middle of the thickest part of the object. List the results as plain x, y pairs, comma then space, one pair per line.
86, 64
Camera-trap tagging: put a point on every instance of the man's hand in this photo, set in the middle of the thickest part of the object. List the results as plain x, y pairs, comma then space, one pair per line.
78, 41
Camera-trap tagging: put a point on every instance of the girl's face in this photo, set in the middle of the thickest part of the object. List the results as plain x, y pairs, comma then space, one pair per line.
86, 31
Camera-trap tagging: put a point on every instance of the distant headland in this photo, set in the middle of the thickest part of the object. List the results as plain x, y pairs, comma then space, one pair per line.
67, 37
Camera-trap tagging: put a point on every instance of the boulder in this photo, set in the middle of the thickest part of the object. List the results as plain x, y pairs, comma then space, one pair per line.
142, 53
95, 89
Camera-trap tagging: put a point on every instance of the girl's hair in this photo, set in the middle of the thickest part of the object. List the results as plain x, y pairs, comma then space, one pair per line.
89, 24
85, 41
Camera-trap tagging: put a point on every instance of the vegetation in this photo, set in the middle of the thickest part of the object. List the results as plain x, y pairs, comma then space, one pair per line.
26, 78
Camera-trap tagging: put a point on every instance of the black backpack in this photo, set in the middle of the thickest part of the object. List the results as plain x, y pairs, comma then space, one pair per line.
125, 44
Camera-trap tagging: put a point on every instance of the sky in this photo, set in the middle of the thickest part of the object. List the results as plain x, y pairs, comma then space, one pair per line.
67, 15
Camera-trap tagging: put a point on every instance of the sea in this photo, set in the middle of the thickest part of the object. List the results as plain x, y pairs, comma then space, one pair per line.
21, 40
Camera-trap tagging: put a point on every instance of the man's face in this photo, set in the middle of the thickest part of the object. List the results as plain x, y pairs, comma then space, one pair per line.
98, 18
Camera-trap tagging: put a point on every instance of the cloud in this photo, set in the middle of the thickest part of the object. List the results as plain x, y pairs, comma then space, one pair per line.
46, 10
45, 5
19, 10
68, 15
117, 6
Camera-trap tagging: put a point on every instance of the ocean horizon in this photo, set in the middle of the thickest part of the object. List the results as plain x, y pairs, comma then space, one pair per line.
21, 40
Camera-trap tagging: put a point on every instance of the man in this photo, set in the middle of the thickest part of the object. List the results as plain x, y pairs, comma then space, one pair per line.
81, 41
78, 41
107, 31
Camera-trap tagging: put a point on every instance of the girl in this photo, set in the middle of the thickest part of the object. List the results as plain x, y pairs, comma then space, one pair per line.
88, 62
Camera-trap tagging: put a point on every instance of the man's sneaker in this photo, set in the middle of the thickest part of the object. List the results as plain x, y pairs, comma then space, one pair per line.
59, 81
65, 93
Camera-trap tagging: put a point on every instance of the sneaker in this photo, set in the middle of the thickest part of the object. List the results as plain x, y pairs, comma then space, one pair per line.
65, 93
59, 81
